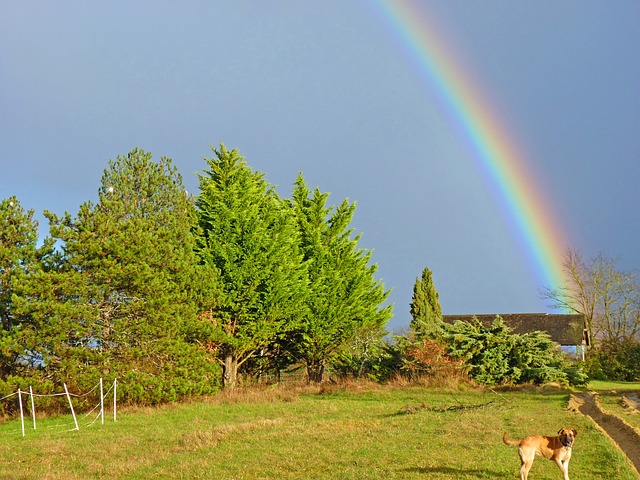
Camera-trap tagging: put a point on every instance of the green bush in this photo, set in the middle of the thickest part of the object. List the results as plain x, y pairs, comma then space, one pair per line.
496, 355
619, 360
376, 360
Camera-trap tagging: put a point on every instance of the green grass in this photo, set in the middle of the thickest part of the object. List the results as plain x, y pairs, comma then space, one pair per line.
601, 385
336, 435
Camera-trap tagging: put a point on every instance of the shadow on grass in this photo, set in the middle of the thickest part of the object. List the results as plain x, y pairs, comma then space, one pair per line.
458, 472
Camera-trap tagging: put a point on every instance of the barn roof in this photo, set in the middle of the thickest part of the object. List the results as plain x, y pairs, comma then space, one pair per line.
565, 329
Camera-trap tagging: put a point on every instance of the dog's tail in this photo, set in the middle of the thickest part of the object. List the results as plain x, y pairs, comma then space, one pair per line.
509, 442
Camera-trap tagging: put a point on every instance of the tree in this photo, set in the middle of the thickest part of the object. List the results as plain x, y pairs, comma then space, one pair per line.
365, 355
608, 298
121, 296
18, 257
250, 246
343, 294
425, 308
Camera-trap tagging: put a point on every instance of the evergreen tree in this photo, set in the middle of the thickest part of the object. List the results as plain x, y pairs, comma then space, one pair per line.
18, 257
425, 309
250, 246
343, 293
120, 298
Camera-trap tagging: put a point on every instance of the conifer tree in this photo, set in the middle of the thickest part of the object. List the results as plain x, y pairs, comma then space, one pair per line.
425, 309
343, 294
250, 246
121, 298
18, 257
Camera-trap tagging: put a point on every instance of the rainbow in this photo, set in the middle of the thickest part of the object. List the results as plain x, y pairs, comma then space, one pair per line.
543, 240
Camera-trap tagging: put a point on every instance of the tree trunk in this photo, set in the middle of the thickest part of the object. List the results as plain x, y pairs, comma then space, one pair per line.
315, 371
230, 372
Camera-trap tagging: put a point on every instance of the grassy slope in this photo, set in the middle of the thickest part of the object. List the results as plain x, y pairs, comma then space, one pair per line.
332, 436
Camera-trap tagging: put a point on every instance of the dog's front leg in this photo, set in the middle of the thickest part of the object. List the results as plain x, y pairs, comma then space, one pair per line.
563, 465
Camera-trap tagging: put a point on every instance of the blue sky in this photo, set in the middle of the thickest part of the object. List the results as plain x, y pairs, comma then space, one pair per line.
326, 88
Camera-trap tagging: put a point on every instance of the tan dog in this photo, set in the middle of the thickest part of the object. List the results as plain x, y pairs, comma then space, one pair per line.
556, 448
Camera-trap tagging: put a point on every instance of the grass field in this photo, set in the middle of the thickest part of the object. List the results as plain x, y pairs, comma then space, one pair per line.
598, 385
373, 433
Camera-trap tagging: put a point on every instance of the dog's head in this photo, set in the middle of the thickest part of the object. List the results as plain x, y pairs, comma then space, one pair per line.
567, 436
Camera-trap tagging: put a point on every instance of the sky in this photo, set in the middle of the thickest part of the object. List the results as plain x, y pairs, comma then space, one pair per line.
334, 90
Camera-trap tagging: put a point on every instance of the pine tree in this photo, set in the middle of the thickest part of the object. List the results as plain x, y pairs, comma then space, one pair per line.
120, 300
250, 246
425, 309
18, 257
343, 294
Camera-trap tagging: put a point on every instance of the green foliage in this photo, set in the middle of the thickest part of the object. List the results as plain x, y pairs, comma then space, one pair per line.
250, 246
150, 288
615, 360
119, 296
343, 295
18, 257
426, 313
495, 355
364, 356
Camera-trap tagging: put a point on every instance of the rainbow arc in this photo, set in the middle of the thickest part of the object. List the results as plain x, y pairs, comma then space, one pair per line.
543, 240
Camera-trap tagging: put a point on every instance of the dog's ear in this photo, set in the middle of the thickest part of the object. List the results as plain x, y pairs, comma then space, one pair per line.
575, 433
560, 431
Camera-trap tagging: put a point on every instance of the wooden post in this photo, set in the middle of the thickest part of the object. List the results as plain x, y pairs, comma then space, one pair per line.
73, 413
33, 408
115, 387
21, 412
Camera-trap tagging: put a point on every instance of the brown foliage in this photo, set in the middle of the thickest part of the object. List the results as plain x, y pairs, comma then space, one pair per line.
430, 359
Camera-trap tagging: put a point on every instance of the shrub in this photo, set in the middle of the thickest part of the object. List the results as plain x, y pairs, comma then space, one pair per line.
375, 360
615, 360
429, 358
496, 355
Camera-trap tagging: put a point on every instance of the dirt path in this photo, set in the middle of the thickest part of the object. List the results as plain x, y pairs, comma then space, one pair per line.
623, 434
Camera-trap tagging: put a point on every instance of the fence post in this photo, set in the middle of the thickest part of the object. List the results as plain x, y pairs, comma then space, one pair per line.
115, 387
33, 407
21, 412
101, 402
71, 405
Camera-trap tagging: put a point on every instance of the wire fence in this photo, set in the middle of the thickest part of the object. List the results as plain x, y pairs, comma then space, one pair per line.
87, 420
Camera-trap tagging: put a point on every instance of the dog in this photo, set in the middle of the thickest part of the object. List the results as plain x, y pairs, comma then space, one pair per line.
556, 448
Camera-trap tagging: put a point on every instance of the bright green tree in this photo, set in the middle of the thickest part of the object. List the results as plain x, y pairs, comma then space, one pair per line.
426, 312
344, 296
250, 245
121, 299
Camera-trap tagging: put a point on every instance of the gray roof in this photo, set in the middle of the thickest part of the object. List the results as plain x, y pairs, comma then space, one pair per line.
565, 329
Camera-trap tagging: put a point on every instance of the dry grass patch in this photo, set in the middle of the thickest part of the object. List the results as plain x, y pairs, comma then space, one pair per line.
201, 438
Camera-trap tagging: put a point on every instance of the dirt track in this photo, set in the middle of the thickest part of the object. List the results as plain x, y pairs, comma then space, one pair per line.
623, 434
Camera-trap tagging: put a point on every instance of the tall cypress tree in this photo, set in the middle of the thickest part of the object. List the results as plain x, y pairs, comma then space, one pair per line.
425, 308
343, 293
250, 246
